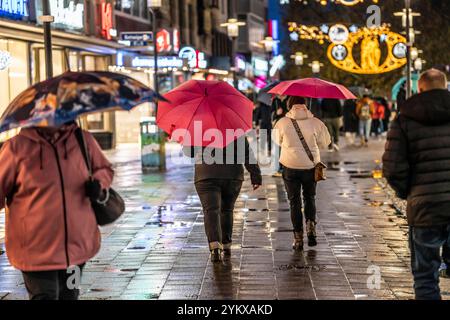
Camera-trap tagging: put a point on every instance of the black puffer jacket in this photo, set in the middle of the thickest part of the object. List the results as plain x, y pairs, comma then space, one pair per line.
416, 161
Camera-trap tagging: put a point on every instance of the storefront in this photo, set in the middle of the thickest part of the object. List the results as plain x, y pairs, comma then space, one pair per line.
22, 61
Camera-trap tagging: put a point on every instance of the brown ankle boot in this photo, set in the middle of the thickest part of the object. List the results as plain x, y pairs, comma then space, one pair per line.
298, 241
311, 233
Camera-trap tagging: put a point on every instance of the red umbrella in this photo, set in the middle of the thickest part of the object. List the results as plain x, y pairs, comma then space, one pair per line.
312, 88
205, 113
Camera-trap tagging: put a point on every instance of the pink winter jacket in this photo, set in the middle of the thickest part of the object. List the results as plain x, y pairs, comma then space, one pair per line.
50, 224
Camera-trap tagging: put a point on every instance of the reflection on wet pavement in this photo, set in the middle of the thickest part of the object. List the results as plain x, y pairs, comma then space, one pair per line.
158, 249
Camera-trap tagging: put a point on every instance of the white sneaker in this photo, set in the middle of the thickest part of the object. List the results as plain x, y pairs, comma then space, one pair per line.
335, 147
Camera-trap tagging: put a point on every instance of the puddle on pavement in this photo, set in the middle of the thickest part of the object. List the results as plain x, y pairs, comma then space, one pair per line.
305, 268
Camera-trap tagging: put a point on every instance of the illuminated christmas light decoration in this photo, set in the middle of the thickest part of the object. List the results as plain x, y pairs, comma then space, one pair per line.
341, 55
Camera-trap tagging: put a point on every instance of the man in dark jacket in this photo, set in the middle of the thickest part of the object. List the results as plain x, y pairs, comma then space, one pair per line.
332, 113
263, 122
219, 174
416, 164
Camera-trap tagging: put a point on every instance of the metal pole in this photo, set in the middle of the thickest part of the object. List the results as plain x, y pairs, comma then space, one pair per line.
47, 20
155, 51
233, 61
408, 50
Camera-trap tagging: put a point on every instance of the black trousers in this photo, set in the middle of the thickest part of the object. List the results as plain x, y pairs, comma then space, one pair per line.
298, 182
51, 285
218, 197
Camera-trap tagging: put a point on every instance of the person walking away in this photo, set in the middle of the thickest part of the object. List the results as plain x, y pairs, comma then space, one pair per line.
416, 163
263, 123
387, 114
298, 172
279, 110
218, 178
378, 118
350, 121
332, 113
50, 223
365, 111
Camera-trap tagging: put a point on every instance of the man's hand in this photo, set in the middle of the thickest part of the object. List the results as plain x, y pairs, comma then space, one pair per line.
256, 186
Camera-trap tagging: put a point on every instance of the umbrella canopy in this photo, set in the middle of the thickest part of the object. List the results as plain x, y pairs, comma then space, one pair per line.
62, 99
205, 113
264, 96
312, 88
401, 82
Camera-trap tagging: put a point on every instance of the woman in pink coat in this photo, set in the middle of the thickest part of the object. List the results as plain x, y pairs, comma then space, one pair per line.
50, 224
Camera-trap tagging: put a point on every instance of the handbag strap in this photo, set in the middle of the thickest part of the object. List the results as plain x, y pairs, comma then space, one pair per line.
84, 150
303, 141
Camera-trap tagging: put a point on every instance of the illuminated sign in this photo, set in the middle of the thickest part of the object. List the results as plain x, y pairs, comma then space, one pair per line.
370, 41
277, 63
168, 41
338, 34
5, 59
163, 62
68, 16
107, 20
14, 9
195, 58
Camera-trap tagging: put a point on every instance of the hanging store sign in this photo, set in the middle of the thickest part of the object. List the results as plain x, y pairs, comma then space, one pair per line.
196, 59
5, 59
168, 41
14, 9
163, 62
107, 20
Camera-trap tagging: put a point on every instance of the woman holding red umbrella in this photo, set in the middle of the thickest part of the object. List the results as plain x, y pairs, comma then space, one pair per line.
210, 119
301, 136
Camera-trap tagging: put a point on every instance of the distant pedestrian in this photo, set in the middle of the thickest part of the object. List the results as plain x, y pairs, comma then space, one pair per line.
50, 224
263, 123
298, 172
332, 113
416, 164
279, 110
364, 110
219, 174
444, 270
378, 118
350, 120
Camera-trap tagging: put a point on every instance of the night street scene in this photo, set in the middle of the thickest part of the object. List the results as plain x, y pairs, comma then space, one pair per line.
205, 151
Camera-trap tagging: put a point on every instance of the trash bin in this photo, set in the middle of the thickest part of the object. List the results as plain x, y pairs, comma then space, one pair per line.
153, 155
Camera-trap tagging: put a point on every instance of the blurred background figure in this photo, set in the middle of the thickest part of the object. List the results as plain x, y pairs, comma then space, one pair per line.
365, 110
378, 117
263, 122
350, 121
279, 110
332, 113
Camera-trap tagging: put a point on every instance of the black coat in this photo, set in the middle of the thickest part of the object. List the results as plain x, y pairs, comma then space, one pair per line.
263, 116
331, 108
416, 161
351, 120
227, 163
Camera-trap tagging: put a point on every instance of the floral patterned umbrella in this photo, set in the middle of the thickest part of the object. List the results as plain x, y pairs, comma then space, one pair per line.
62, 99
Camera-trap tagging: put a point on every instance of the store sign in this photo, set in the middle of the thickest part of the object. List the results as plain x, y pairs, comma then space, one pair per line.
240, 62
69, 15
163, 62
260, 65
107, 20
195, 58
5, 59
168, 41
277, 63
15, 9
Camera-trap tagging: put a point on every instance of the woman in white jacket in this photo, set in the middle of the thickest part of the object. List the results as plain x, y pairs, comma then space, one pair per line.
298, 172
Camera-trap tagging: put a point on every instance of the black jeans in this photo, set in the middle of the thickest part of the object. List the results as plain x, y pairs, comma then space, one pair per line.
425, 245
218, 197
51, 285
296, 181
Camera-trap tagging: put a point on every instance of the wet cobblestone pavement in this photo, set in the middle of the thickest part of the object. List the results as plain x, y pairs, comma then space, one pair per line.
158, 250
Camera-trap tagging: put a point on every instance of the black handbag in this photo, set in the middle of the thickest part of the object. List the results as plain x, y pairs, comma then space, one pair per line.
112, 207
319, 168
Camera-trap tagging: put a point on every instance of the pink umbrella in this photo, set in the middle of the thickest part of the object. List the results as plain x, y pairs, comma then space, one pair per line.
205, 113
312, 88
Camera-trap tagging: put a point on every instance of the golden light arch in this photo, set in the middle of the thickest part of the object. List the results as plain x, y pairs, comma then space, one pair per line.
342, 55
